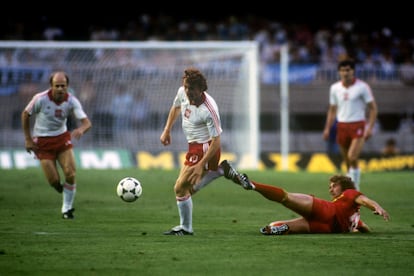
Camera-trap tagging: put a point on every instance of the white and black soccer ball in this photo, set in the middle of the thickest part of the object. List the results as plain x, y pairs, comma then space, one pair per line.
129, 189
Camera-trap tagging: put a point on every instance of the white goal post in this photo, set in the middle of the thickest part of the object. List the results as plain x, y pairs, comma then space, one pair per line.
127, 89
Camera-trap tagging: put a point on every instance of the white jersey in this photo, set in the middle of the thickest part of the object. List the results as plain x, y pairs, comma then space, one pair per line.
351, 101
51, 117
199, 123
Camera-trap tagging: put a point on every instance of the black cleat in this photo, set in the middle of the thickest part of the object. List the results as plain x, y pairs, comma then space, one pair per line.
178, 231
232, 174
274, 230
68, 214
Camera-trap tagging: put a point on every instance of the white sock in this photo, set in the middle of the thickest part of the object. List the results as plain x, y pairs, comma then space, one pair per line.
68, 193
355, 175
207, 178
185, 210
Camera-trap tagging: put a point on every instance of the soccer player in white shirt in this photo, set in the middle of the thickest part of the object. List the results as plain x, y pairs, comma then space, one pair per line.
51, 141
350, 100
202, 127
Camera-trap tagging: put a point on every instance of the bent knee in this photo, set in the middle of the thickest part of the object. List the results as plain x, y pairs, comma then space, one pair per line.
182, 188
70, 175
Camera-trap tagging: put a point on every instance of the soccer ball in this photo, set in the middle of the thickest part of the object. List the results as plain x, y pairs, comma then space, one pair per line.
129, 189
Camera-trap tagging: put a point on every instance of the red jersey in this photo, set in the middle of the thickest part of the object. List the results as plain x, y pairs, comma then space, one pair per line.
347, 211
340, 215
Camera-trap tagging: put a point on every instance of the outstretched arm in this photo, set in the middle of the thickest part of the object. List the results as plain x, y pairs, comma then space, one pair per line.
372, 205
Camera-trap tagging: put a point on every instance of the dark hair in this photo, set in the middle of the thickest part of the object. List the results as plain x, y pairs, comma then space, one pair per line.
391, 142
195, 78
346, 62
344, 181
54, 73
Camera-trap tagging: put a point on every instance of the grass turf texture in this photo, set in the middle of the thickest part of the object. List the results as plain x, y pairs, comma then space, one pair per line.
112, 237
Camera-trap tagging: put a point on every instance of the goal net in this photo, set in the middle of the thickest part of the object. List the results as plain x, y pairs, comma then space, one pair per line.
127, 89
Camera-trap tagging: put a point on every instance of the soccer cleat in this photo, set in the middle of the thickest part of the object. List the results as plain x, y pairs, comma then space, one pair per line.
274, 230
178, 231
229, 171
245, 182
68, 214
235, 176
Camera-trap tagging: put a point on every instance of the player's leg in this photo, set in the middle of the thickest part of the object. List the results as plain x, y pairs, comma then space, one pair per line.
353, 156
66, 160
208, 177
344, 155
45, 153
52, 175
350, 137
213, 171
182, 189
343, 139
297, 202
319, 217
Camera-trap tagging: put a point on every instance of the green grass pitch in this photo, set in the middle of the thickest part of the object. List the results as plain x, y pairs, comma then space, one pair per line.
112, 237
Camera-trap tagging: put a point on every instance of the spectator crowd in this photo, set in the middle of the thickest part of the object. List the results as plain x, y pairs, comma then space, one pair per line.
379, 47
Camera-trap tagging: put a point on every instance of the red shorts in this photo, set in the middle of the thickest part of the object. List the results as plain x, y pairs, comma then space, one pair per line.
51, 147
346, 132
322, 219
196, 152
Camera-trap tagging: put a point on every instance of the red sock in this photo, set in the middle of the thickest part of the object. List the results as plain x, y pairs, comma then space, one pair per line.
270, 192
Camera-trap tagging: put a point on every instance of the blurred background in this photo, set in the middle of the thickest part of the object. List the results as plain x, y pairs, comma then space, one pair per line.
381, 42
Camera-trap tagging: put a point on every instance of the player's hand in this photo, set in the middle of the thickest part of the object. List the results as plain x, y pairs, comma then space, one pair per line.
367, 134
383, 213
30, 146
77, 133
165, 138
